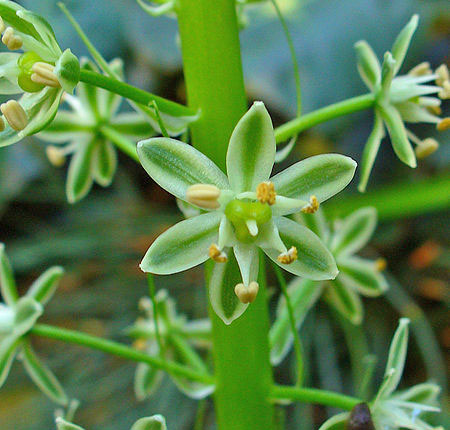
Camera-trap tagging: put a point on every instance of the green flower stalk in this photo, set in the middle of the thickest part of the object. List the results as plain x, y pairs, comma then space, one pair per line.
391, 409
357, 276
17, 318
245, 211
400, 99
40, 74
78, 132
155, 422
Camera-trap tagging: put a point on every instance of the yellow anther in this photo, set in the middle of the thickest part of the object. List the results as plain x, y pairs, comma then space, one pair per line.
312, 206
12, 41
444, 124
380, 264
55, 155
246, 294
140, 344
2, 25
421, 69
435, 110
203, 195
444, 94
2, 124
289, 256
426, 147
216, 254
14, 114
265, 193
442, 75
43, 73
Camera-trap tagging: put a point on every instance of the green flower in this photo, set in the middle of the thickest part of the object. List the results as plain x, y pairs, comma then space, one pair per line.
17, 318
94, 157
390, 409
176, 335
246, 210
357, 276
41, 73
401, 99
155, 422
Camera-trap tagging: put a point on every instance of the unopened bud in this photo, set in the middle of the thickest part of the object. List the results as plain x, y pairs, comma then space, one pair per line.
55, 155
289, 256
216, 254
312, 206
203, 195
12, 41
360, 418
421, 69
43, 74
265, 193
426, 148
444, 124
246, 294
14, 114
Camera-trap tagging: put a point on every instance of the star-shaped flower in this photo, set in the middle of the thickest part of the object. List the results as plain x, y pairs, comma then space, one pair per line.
391, 410
17, 318
155, 422
246, 210
357, 276
401, 99
41, 73
94, 157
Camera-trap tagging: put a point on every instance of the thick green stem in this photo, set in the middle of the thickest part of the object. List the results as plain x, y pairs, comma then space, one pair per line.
132, 93
301, 123
313, 395
119, 350
214, 81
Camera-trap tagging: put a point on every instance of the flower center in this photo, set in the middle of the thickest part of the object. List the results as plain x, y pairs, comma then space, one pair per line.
246, 217
26, 62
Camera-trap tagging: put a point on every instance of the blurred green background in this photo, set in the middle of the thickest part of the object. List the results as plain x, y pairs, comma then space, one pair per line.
101, 240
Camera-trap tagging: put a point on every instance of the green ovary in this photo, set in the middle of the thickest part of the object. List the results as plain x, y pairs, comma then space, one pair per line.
25, 63
239, 212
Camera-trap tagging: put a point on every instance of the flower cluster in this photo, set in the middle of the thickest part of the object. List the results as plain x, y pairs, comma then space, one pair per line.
401, 99
17, 318
245, 211
392, 410
40, 74
78, 132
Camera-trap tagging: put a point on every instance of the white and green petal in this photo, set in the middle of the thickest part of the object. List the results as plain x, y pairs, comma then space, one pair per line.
155, 422
9, 72
43, 288
8, 287
402, 42
62, 424
104, 163
368, 65
8, 348
336, 422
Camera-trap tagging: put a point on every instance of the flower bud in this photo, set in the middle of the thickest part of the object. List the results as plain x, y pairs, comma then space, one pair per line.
360, 418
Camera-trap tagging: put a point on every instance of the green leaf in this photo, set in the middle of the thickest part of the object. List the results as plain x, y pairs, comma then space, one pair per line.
396, 360
42, 376
156, 422
397, 133
354, 231
303, 294
7, 283
361, 275
251, 152
370, 152
79, 176
368, 65
314, 259
7, 352
8, 73
175, 166
183, 246
44, 287
62, 424
401, 44
67, 70
225, 276
104, 163
337, 422
27, 311
345, 301
426, 393
322, 176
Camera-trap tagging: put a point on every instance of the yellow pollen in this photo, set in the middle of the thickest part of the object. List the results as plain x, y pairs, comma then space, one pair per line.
380, 264
312, 206
444, 124
43, 73
421, 69
140, 344
216, 254
426, 147
442, 75
2, 124
436, 110
12, 41
203, 195
14, 114
289, 256
246, 294
265, 193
